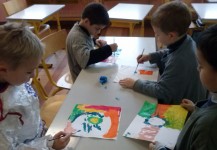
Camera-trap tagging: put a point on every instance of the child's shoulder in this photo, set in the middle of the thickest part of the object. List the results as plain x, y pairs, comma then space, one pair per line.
208, 117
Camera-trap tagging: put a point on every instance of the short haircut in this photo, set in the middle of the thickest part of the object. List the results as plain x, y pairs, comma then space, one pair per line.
96, 13
172, 17
207, 45
18, 43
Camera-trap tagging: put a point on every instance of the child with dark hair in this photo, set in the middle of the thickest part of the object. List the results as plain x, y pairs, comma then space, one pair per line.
80, 42
199, 132
177, 63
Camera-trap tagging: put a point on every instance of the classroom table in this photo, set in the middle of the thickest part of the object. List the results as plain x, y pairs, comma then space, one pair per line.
128, 15
38, 14
88, 90
207, 12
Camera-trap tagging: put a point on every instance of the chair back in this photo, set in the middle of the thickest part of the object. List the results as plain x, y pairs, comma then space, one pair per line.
14, 6
54, 42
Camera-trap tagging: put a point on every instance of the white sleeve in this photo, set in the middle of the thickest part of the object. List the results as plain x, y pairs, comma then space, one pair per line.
37, 144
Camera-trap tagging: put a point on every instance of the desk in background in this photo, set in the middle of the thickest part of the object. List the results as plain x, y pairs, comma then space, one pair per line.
207, 12
88, 90
37, 15
128, 15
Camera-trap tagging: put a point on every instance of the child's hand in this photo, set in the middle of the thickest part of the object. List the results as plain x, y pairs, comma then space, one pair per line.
100, 43
156, 146
143, 58
151, 146
114, 47
127, 83
188, 104
61, 141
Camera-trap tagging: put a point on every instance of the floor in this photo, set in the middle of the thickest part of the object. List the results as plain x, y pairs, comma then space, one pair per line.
59, 60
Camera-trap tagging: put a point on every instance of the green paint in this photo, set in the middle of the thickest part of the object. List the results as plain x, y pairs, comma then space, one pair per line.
94, 120
147, 109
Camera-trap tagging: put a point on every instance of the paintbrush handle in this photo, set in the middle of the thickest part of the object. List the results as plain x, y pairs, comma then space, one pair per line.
138, 63
63, 136
56, 138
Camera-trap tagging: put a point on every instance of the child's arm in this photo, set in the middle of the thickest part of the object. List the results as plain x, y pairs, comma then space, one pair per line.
61, 140
157, 146
156, 56
44, 142
102, 53
143, 58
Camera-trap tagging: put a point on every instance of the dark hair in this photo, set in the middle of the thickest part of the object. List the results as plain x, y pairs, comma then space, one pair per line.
207, 45
172, 16
96, 13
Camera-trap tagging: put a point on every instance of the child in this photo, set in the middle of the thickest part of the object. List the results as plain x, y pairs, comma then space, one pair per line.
199, 132
177, 64
20, 124
80, 44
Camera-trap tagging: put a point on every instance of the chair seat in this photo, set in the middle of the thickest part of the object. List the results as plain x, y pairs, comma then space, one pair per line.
43, 31
50, 108
65, 81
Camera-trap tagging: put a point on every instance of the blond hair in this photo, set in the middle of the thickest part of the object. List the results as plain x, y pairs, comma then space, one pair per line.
18, 43
173, 16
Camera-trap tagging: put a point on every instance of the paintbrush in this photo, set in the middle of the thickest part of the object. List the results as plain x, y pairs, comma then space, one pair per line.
114, 42
64, 135
138, 63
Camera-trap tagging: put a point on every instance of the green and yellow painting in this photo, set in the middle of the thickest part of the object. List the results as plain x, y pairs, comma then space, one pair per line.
155, 121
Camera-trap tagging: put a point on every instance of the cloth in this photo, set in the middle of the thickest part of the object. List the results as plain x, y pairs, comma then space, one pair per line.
81, 52
179, 79
21, 127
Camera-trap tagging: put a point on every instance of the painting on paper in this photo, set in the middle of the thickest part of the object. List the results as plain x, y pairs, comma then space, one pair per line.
141, 72
155, 121
94, 121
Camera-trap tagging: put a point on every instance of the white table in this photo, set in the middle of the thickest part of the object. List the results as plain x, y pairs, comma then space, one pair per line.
128, 15
207, 12
38, 14
88, 90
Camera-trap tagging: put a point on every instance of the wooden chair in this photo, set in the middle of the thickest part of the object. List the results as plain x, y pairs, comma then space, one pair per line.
54, 43
51, 104
50, 108
14, 6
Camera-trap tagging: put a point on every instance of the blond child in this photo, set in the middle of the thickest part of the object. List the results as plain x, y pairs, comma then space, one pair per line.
177, 63
20, 124
199, 132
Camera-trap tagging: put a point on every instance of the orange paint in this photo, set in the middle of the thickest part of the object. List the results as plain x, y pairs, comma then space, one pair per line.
114, 116
145, 72
161, 109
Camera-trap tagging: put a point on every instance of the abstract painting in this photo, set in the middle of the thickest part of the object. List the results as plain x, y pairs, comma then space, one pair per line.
155, 121
130, 72
94, 121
